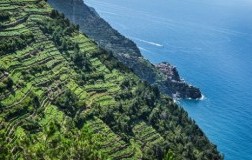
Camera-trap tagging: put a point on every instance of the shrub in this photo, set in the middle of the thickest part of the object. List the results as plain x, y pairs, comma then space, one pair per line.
4, 16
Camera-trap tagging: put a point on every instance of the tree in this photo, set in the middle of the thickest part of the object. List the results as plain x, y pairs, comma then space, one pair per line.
1, 107
36, 101
54, 13
4, 16
170, 155
63, 46
68, 103
156, 91
9, 83
81, 61
78, 27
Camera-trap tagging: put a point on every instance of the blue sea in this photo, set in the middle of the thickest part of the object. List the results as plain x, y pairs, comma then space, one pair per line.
210, 42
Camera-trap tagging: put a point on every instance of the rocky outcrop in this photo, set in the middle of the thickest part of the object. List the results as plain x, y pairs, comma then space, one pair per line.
174, 85
164, 75
169, 71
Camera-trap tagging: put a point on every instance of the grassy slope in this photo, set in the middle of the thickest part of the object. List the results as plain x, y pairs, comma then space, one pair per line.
109, 112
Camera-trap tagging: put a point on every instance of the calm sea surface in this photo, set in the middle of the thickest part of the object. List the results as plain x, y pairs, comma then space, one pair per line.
210, 41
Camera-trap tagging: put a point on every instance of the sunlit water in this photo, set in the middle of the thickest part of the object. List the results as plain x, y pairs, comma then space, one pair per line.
210, 41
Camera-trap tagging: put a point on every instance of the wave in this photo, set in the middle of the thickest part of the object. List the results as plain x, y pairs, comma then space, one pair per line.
177, 100
148, 42
106, 12
143, 49
202, 98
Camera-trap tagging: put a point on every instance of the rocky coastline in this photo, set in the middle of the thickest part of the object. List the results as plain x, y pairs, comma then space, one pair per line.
164, 75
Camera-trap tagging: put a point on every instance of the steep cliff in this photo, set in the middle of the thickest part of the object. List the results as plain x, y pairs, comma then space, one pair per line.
63, 97
122, 48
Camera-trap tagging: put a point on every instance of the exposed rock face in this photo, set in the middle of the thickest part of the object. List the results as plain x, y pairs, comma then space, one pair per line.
174, 85
170, 71
164, 75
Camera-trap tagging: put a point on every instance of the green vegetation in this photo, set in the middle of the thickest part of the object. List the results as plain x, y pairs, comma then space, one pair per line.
4, 16
62, 97
10, 44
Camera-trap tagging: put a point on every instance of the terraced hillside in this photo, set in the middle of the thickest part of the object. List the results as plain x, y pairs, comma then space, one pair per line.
62, 97
163, 75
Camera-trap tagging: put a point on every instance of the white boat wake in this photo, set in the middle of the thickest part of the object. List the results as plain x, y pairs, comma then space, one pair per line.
148, 42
